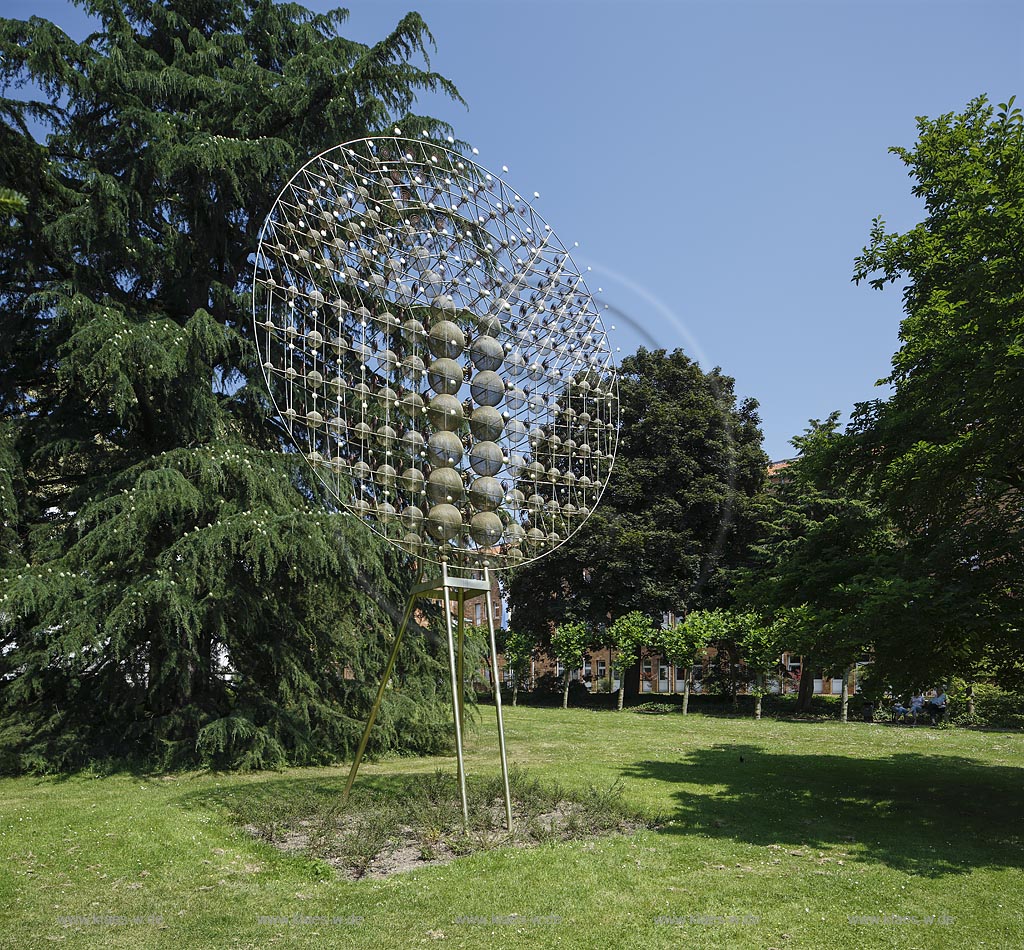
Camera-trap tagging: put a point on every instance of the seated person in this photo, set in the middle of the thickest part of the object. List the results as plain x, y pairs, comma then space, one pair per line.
899, 711
937, 704
916, 703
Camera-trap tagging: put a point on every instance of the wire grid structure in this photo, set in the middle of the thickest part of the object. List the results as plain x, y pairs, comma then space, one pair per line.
434, 352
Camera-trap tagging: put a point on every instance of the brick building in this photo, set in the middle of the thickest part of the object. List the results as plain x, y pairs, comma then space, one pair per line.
474, 609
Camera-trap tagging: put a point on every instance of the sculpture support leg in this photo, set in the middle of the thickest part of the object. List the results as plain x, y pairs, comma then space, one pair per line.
452, 591
461, 664
455, 697
380, 695
497, 702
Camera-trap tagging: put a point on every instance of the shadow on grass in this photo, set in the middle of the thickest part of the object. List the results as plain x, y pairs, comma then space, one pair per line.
296, 796
925, 815
277, 799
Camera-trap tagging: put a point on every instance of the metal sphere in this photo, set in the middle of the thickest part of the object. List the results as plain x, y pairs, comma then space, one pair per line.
412, 518
443, 449
487, 388
444, 522
445, 413
445, 375
486, 493
485, 528
412, 481
486, 353
486, 458
486, 424
446, 339
445, 485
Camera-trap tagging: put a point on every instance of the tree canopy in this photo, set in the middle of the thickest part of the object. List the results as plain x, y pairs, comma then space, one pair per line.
683, 643
905, 533
172, 587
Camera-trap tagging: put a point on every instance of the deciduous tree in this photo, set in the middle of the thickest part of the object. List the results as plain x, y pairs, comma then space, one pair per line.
519, 652
685, 642
760, 647
628, 635
831, 569
569, 644
946, 452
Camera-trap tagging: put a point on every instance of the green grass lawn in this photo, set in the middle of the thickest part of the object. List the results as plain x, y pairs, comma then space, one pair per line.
772, 834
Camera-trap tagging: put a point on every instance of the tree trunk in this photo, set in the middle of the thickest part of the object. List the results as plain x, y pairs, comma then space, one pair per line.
565, 692
201, 669
970, 700
845, 696
686, 691
622, 692
806, 693
515, 690
757, 695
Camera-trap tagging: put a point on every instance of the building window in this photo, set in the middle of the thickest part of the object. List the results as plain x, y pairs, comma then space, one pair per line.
559, 669
602, 669
586, 669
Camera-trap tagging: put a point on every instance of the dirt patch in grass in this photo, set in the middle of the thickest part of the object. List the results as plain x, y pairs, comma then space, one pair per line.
416, 821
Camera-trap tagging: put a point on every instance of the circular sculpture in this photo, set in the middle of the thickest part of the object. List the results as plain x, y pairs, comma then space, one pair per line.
434, 353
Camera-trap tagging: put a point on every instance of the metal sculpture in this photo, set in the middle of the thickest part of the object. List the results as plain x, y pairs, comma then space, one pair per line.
436, 357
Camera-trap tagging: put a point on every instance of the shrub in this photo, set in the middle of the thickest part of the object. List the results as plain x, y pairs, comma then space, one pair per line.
993, 707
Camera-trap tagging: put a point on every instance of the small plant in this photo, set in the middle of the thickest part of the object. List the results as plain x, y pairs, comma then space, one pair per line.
267, 830
486, 839
367, 839
322, 833
461, 844
658, 709
541, 831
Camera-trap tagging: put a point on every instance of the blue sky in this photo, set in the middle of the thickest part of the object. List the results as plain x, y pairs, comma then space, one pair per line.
719, 162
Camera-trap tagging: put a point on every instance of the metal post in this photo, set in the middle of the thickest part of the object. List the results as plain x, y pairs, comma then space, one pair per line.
497, 701
380, 695
455, 693
461, 665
